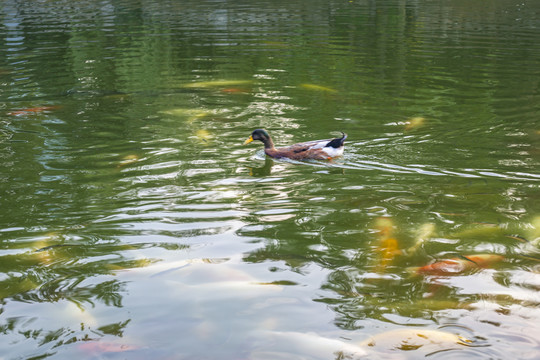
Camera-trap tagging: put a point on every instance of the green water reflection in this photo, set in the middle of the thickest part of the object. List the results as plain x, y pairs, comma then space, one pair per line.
134, 224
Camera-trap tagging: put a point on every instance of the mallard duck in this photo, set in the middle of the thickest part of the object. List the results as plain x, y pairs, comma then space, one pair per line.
316, 149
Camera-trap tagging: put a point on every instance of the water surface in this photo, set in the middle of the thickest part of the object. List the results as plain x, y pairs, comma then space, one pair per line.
134, 224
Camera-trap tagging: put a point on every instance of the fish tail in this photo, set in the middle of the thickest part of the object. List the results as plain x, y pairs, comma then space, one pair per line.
464, 341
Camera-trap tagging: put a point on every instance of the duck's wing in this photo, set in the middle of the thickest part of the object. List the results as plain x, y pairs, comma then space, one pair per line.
315, 149
308, 145
319, 144
306, 150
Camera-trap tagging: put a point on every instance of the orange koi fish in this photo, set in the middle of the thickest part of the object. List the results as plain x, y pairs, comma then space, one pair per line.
388, 246
105, 347
234, 91
388, 249
458, 265
38, 109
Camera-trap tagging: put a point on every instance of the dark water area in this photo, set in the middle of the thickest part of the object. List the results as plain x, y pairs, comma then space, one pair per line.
135, 223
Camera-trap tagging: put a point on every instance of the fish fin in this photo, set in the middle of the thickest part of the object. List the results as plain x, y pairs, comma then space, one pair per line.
464, 341
466, 258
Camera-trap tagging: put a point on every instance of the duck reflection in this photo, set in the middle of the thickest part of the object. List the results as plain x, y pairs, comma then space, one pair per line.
264, 170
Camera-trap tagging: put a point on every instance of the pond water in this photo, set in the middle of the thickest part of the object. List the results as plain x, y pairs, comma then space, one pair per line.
134, 223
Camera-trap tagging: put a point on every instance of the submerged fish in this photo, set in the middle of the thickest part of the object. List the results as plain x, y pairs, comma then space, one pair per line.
387, 246
318, 88
128, 159
479, 230
216, 83
34, 110
204, 136
388, 249
299, 345
458, 265
425, 232
234, 91
385, 227
414, 123
414, 339
100, 347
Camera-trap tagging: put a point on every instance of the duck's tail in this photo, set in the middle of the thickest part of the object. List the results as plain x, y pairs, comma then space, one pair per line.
338, 142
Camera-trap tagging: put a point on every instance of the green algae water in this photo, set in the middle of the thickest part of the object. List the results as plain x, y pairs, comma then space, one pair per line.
134, 223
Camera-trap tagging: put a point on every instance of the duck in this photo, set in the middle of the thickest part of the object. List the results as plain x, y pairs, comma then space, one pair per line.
327, 149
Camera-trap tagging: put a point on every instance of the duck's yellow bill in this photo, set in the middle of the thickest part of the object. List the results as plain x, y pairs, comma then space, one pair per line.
250, 139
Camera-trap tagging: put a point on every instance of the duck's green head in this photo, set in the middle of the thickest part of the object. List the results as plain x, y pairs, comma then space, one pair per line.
258, 134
